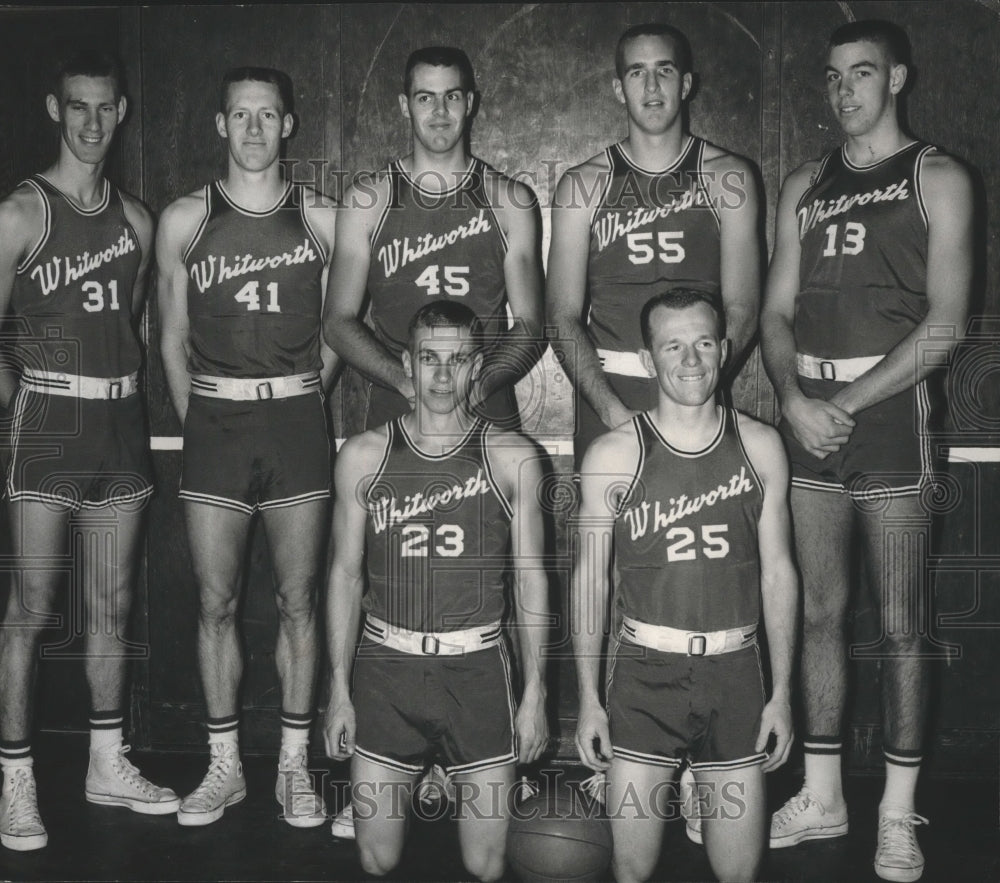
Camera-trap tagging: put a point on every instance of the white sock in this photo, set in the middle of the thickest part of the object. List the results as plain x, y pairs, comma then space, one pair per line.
900, 788
823, 778
294, 730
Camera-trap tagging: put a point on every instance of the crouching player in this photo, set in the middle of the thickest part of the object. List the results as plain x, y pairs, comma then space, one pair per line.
436, 508
689, 500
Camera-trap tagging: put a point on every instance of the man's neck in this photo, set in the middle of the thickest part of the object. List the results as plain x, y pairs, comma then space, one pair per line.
81, 182
437, 171
256, 191
437, 433
882, 141
686, 427
655, 152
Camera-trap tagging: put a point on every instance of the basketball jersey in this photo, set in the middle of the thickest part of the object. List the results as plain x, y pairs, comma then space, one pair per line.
73, 291
651, 231
255, 294
437, 535
429, 245
863, 263
686, 552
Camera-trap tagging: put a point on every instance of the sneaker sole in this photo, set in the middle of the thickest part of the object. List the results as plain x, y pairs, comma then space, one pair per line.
144, 807
808, 834
309, 821
899, 875
24, 844
195, 819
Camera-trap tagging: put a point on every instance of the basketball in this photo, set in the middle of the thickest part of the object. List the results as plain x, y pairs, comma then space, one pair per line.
559, 836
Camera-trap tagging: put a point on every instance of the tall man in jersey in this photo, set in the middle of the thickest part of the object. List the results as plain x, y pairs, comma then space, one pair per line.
74, 258
690, 499
661, 208
242, 267
437, 223
873, 248
435, 510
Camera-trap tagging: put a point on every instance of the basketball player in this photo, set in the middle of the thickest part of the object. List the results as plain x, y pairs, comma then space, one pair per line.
691, 498
74, 258
437, 223
662, 208
242, 265
873, 249
427, 507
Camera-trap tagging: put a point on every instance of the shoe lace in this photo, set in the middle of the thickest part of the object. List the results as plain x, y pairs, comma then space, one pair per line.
218, 771
896, 836
128, 773
23, 810
594, 787
294, 764
797, 804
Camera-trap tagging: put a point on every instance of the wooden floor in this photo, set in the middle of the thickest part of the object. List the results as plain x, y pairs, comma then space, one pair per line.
250, 842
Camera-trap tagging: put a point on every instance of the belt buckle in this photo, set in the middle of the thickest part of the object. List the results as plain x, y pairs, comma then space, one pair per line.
697, 645
115, 390
827, 370
430, 646
264, 391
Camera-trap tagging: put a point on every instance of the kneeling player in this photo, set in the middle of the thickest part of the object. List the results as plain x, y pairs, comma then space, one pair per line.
690, 498
427, 507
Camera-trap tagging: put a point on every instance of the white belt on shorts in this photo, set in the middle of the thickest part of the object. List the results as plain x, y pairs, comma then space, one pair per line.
432, 643
628, 364
844, 370
669, 640
254, 389
76, 385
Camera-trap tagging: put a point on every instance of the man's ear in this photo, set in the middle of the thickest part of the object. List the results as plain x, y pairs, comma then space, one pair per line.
726, 347
407, 364
220, 125
52, 106
616, 85
647, 362
404, 105
897, 78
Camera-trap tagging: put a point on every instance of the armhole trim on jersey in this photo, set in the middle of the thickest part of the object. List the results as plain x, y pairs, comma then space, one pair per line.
733, 414
377, 230
918, 186
201, 224
481, 168
131, 226
380, 469
46, 228
309, 227
606, 189
497, 490
700, 175
816, 178
626, 496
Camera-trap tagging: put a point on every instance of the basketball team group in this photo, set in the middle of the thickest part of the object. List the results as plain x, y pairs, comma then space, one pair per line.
699, 536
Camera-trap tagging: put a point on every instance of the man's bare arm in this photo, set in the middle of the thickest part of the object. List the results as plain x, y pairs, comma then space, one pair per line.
21, 226
733, 186
820, 426
322, 215
177, 226
520, 472
566, 289
948, 198
778, 582
520, 347
343, 328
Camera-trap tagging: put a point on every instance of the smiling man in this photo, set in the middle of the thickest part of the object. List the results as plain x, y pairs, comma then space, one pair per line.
437, 223
688, 501
435, 513
74, 256
242, 266
873, 254
660, 208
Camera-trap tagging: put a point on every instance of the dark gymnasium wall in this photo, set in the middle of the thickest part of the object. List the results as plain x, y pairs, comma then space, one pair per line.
544, 72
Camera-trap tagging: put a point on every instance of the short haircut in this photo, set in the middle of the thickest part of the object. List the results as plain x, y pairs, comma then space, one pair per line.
90, 63
654, 29
891, 37
445, 314
276, 78
441, 56
679, 299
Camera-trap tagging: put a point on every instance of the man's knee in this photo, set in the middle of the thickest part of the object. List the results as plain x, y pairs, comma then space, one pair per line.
296, 598
378, 859
217, 608
632, 865
485, 861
